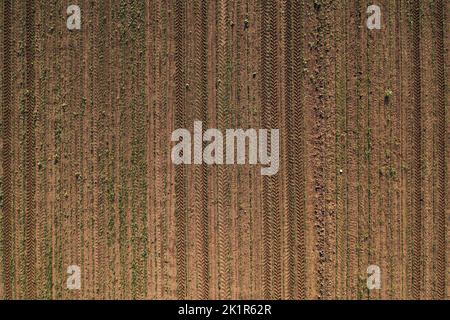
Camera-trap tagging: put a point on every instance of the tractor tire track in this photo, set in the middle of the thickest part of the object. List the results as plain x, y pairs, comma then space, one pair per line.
267, 219
429, 150
295, 124
223, 176
6, 151
397, 135
96, 45
271, 212
252, 26
180, 190
299, 149
201, 171
30, 153
441, 186
416, 154
291, 183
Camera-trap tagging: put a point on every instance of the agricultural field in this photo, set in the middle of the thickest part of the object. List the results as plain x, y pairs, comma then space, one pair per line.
87, 178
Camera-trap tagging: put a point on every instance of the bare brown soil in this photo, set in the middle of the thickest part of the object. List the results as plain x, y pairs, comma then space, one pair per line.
86, 175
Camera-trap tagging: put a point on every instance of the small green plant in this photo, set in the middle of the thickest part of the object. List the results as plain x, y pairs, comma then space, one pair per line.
387, 95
